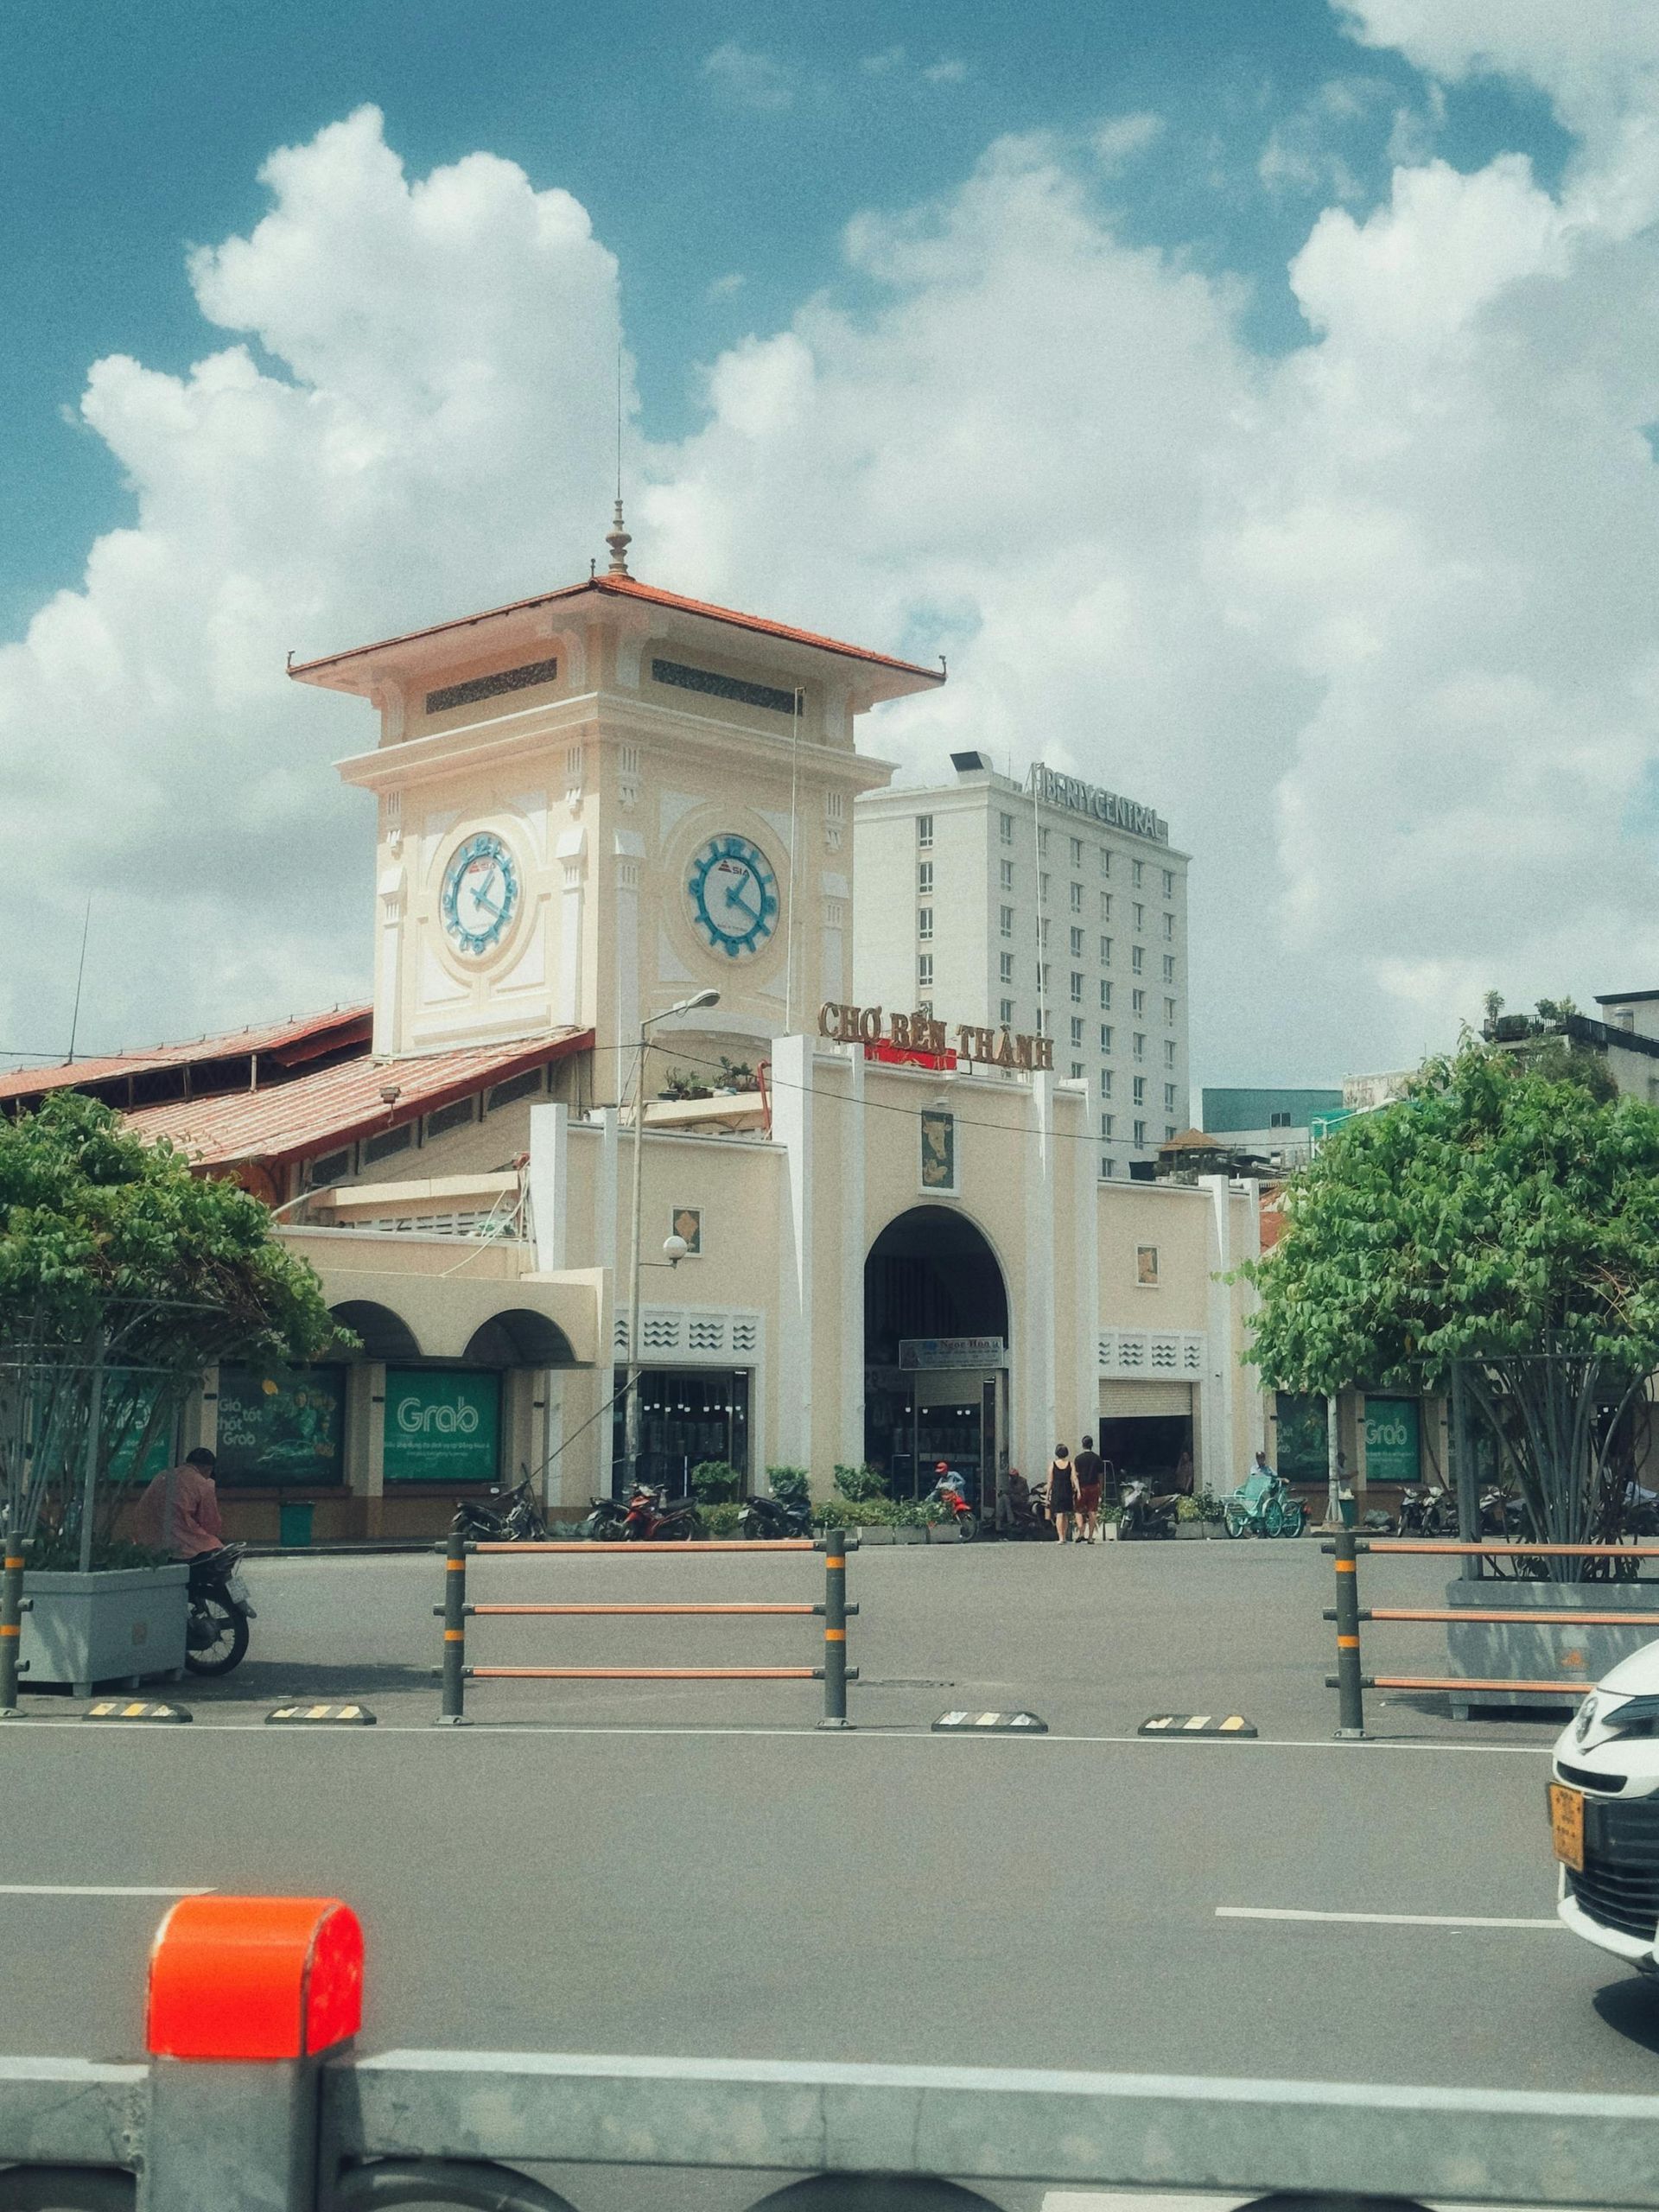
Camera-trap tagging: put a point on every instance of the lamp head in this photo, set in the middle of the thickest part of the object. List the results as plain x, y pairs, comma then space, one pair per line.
675, 1249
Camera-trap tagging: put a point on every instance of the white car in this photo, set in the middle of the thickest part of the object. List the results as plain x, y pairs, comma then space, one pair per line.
1603, 1810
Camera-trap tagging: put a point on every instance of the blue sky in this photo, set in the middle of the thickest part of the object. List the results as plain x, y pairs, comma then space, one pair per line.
707, 143
1255, 398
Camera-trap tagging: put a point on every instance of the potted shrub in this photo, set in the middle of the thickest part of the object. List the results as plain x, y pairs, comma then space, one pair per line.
124, 1273
715, 1482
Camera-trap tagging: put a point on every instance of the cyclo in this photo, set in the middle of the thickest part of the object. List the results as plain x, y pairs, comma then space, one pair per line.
1263, 1506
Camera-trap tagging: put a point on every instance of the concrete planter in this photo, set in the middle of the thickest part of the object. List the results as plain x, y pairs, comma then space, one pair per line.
1551, 1652
125, 1627
885, 1534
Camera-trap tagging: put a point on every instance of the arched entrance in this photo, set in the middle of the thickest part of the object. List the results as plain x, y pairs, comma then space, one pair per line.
936, 1334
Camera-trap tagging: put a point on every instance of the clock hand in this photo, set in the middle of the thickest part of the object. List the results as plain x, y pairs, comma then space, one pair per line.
732, 899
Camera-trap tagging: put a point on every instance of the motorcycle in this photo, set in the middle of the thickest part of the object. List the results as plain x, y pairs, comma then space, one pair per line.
945, 1493
1141, 1515
516, 1521
219, 1609
765, 1519
1502, 1514
647, 1516
1427, 1509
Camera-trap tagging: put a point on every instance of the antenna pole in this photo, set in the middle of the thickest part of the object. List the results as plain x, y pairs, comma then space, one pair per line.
80, 977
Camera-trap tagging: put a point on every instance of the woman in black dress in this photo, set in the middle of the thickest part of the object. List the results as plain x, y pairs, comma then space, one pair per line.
1061, 1493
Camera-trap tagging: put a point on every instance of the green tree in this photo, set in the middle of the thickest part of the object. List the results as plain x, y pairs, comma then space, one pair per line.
124, 1273
1494, 1217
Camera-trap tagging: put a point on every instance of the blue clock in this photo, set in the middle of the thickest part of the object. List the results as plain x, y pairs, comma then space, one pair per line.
479, 896
733, 895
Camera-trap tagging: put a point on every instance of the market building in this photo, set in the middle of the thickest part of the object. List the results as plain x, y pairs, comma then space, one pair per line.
900, 1240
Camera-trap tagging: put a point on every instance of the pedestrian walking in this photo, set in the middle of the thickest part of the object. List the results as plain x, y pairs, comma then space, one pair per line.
1062, 1493
1089, 1477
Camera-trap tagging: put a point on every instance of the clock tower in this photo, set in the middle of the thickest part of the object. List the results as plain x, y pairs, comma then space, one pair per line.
596, 803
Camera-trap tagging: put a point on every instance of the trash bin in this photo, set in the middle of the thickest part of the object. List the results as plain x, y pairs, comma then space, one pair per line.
1345, 1506
294, 1524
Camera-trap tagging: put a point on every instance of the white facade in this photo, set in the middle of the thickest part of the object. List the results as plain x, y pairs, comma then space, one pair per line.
980, 900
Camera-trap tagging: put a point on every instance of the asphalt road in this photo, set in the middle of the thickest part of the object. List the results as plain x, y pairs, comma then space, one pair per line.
692, 1869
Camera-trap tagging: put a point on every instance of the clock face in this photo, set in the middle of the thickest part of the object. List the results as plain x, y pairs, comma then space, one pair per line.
733, 895
479, 896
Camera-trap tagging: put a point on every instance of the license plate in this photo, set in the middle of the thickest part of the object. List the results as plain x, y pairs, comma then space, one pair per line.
1567, 1826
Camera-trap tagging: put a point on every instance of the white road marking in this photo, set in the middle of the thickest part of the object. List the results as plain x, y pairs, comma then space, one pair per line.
96, 1890
881, 1734
1379, 1919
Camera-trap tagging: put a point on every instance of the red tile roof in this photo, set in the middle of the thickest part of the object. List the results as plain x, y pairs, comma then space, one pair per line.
285, 1042
288, 1121
629, 587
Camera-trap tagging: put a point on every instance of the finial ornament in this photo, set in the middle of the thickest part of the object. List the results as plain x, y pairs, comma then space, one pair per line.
619, 541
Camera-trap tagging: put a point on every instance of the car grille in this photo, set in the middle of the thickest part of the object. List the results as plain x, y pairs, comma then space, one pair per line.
1582, 1777
1619, 1884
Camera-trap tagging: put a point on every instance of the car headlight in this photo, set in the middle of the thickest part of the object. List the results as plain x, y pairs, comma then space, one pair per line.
1586, 1719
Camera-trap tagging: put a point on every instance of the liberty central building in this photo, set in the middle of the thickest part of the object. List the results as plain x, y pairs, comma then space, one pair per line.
612, 810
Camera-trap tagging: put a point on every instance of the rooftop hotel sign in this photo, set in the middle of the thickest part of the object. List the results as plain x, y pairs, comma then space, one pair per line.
916, 1038
1101, 806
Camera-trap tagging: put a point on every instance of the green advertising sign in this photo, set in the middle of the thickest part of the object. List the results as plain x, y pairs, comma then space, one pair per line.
281, 1425
443, 1425
1393, 1427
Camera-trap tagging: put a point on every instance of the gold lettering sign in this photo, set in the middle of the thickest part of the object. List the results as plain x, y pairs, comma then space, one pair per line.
920, 1032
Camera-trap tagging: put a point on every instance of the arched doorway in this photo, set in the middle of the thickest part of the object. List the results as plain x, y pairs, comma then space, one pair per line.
936, 1334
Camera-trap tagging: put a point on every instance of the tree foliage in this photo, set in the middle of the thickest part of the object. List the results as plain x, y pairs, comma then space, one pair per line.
116, 1255
1495, 1216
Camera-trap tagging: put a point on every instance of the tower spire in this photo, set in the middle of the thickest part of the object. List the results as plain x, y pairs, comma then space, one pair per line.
619, 541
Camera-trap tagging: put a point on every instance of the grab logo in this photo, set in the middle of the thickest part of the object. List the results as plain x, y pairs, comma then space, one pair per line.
416, 1418
1387, 1433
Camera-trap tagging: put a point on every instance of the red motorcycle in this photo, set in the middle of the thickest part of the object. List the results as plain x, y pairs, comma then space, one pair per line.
652, 1517
944, 1492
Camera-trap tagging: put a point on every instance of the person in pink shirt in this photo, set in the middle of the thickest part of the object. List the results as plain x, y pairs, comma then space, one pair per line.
179, 1512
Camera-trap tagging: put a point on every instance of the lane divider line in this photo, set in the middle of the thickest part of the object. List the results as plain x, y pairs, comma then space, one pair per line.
97, 1890
1383, 1919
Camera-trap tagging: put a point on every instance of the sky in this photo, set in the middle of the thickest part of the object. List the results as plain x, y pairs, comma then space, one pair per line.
1257, 403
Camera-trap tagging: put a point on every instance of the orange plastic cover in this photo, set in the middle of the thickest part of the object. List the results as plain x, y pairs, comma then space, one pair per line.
254, 1978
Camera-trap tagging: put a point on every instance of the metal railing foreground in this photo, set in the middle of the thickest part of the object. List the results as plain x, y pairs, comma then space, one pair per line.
833, 1610
252, 2097
1350, 1682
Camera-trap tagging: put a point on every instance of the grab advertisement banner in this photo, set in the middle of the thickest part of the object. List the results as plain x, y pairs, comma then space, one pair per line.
442, 1425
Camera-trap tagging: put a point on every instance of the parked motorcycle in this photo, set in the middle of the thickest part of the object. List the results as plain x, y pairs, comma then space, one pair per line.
1140, 1513
219, 1609
1502, 1514
944, 1492
517, 1520
1428, 1509
650, 1516
765, 1519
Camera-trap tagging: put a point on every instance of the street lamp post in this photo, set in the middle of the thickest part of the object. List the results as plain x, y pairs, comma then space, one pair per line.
685, 1006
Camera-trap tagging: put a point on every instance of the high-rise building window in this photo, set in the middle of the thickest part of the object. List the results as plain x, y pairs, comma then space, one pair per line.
1169, 883
1169, 1012
924, 923
1105, 952
1105, 860
1169, 1098
1076, 1070
1042, 977
924, 830
1077, 1032
1006, 1013
924, 972
1141, 1133
1137, 958
1140, 1091
1008, 875
1077, 944
1106, 1081
1105, 1036
1169, 971
1005, 826
1169, 925
1042, 841
1105, 996
1042, 890
1140, 915
1042, 932
1005, 920
1077, 852
1137, 1002
1169, 1051
1077, 898
924, 877
1138, 1047
1136, 871
1005, 965
1107, 1169
1105, 906
1077, 987
1106, 1121
1169, 1133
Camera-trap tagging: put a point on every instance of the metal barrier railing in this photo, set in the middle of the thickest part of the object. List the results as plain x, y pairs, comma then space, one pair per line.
13, 1606
834, 1610
253, 2095
1351, 1683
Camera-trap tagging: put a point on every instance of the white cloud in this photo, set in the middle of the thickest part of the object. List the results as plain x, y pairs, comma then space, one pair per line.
723, 287
884, 63
1371, 623
948, 71
1119, 140
749, 78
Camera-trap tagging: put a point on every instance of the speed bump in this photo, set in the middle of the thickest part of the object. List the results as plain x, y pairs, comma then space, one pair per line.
1198, 1724
134, 1708
320, 1716
1026, 1724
